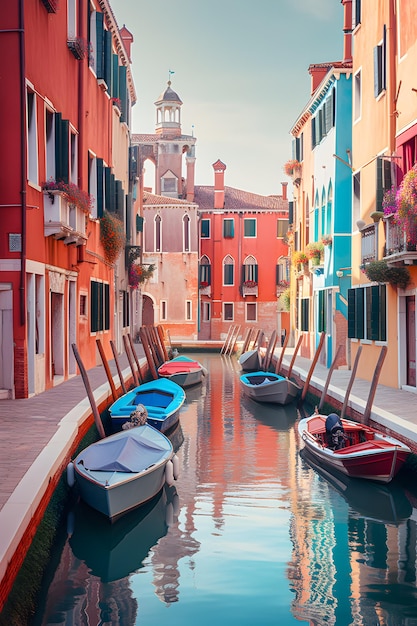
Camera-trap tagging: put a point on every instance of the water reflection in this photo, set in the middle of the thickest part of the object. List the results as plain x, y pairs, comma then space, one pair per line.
257, 535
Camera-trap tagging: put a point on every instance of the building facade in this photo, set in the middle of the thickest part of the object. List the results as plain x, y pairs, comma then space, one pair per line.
66, 72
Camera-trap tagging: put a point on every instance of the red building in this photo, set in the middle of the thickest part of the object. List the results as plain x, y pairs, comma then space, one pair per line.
243, 258
64, 163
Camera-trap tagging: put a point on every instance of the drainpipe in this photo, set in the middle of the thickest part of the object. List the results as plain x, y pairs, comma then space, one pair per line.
392, 78
23, 168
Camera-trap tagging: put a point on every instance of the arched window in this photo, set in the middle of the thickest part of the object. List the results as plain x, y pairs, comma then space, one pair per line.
316, 217
323, 214
186, 232
228, 270
250, 270
205, 271
328, 224
158, 234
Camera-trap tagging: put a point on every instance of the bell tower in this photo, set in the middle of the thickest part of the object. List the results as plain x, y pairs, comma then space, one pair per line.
171, 146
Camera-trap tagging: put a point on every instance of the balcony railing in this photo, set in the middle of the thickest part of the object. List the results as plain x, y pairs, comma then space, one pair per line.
249, 288
63, 220
398, 249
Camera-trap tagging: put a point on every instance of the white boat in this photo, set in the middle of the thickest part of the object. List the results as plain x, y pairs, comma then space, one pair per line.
352, 448
250, 361
269, 387
123, 471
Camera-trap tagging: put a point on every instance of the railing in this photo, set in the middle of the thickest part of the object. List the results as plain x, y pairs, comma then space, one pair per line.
398, 249
62, 219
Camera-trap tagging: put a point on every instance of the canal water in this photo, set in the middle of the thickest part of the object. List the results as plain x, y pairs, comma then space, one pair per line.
252, 534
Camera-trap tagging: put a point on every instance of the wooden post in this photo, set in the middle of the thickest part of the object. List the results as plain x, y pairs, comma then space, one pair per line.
148, 353
233, 340
258, 333
107, 369
312, 366
96, 414
300, 338
352, 378
227, 340
367, 413
269, 351
246, 339
156, 345
160, 331
135, 356
281, 356
119, 371
329, 375
129, 358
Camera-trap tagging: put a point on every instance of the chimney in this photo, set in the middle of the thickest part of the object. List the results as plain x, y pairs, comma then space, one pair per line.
219, 169
284, 190
317, 72
127, 39
347, 30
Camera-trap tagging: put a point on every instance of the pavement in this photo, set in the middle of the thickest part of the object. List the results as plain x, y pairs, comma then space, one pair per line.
38, 434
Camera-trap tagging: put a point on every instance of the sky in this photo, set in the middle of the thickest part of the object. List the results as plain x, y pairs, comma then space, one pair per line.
240, 67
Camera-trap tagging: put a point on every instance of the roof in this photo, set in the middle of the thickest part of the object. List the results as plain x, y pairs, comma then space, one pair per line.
236, 199
151, 199
154, 138
169, 95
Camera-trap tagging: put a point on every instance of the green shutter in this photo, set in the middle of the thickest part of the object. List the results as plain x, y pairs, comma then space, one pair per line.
128, 215
100, 188
107, 58
61, 148
139, 224
93, 307
383, 312
352, 313
360, 313
120, 199
123, 92
106, 306
115, 76
99, 52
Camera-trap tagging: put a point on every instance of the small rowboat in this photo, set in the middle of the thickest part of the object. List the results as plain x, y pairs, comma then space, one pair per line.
121, 472
354, 449
269, 387
183, 371
161, 398
250, 361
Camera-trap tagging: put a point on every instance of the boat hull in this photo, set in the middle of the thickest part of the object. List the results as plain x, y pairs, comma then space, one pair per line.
378, 458
268, 387
162, 399
250, 361
183, 371
114, 493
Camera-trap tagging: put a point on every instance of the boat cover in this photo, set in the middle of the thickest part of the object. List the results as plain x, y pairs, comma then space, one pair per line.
177, 367
125, 454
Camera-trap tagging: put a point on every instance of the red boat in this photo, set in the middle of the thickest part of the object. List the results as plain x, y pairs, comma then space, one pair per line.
354, 449
183, 371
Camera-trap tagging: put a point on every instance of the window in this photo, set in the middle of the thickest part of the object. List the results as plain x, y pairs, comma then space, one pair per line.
228, 271
380, 79
205, 229
249, 227
282, 272
50, 145
163, 310
383, 180
188, 310
126, 309
100, 306
298, 148
32, 138
356, 197
367, 313
73, 173
250, 271
205, 272
228, 311
251, 312
357, 106
228, 228
186, 233
158, 233
169, 184
356, 13
72, 19
83, 305
282, 228
205, 311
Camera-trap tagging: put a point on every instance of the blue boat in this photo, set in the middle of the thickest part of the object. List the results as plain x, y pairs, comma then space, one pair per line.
162, 399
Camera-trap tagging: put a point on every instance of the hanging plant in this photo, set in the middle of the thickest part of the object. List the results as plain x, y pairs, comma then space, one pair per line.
139, 273
315, 249
389, 201
71, 192
406, 214
290, 167
326, 240
300, 258
381, 272
112, 236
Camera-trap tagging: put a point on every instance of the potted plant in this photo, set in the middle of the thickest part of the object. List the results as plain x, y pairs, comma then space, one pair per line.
299, 258
112, 236
315, 251
250, 283
139, 273
71, 192
290, 167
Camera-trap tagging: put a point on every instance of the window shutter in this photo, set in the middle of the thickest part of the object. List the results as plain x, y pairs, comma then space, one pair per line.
94, 307
106, 304
320, 313
352, 313
123, 92
255, 269
120, 199
100, 188
115, 76
377, 70
61, 148
383, 312
99, 52
374, 312
128, 215
107, 59
359, 313
384, 59
139, 224
313, 133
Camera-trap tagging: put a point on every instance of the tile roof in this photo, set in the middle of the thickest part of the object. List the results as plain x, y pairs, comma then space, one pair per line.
151, 199
236, 199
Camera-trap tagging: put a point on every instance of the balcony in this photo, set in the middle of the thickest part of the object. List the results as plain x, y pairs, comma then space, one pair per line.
205, 289
249, 288
399, 251
63, 220
132, 253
